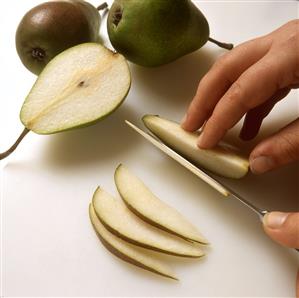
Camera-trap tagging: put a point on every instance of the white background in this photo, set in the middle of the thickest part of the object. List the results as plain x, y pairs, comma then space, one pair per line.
48, 246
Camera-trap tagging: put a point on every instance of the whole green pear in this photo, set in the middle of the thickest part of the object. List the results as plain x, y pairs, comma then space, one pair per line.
52, 27
156, 32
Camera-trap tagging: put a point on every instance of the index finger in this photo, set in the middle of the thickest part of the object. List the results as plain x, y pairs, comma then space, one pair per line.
254, 87
217, 81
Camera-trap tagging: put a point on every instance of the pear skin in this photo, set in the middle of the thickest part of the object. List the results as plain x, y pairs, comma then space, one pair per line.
156, 32
52, 27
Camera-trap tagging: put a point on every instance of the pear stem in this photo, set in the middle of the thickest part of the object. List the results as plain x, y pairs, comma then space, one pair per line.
102, 6
15, 145
224, 45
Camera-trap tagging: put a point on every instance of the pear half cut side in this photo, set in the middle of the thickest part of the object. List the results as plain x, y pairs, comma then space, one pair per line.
77, 88
128, 252
150, 208
120, 221
224, 159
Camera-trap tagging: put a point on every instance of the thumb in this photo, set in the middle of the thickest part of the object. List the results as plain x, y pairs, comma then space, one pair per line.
277, 150
283, 228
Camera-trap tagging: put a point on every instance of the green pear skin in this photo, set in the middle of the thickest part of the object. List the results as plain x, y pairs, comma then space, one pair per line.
155, 32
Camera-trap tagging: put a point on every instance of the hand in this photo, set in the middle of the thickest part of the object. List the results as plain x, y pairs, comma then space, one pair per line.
250, 80
284, 229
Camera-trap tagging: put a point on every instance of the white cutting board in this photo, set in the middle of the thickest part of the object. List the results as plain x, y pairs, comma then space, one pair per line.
48, 245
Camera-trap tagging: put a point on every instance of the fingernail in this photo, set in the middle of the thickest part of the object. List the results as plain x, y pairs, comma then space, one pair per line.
262, 164
274, 220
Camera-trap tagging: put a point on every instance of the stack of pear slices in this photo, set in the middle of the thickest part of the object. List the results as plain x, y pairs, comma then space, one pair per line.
141, 222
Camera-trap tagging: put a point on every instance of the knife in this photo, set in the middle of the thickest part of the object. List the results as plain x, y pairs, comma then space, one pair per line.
214, 183
221, 188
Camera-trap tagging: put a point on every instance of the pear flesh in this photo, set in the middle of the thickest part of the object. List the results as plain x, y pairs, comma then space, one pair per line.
126, 251
120, 221
77, 88
146, 205
223, 160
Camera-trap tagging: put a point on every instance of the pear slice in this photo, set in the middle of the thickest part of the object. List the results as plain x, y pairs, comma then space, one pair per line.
224, 160
128, 252
148, 207
77, 88
120, 221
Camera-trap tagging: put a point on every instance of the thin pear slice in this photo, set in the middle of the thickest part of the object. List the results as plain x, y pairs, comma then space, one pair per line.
128, 252
148, 207
224, 160
120, 221
77, 88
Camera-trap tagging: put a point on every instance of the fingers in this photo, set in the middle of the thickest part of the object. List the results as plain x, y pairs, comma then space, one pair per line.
225, 71
277, 150
283, 228
254, 87
241, 81
254, 118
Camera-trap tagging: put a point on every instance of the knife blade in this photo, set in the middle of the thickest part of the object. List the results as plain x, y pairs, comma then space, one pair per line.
214, 183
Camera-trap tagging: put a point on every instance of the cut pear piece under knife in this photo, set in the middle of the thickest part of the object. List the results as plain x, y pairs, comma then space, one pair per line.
224, 159
120, 221
77, 88
147, 206
126, 251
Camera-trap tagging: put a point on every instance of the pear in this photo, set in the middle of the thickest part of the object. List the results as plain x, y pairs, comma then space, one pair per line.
224, 160
120, 221
128, 252
155, 32
79, 87
54, 26
148, 207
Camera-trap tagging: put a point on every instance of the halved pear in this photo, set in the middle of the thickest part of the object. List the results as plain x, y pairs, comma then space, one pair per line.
77, 88
128, 252
224, 159
148, 207
120, 221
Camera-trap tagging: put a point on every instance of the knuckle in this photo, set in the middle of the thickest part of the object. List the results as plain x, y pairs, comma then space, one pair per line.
291, 40
290, 37
195, 107
203, 82
250, 42
235, 96
222, 61
287, 27
198, 111
217, 123
289, 147
293, 23
212, 124
197, 102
